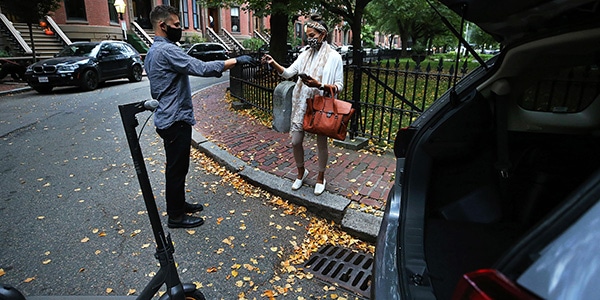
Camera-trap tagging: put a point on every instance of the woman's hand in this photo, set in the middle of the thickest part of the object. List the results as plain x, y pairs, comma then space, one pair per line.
267, 59
310, 82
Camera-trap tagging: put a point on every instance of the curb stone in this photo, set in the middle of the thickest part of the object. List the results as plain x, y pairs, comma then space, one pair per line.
329, 206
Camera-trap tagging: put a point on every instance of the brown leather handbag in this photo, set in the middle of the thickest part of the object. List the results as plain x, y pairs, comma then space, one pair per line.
327, 116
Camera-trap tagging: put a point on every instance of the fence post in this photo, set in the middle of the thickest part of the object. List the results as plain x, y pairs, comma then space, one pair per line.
235, 84
356, 89
282, 106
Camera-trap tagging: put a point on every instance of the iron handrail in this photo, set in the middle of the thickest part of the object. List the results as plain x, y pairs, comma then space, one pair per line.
230, 37
15, 34
142, 34
216, 38
261, 36
63, 37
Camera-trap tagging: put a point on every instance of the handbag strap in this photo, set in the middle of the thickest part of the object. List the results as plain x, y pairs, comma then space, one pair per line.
332, 97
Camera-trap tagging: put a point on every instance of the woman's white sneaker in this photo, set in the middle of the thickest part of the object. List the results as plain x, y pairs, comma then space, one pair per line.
320, 187
298, 182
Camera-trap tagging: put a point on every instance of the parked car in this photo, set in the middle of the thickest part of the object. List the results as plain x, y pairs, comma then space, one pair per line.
345, 51
497, 186
207, 51
86, 65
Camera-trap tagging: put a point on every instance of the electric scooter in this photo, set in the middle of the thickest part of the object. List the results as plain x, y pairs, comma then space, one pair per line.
167, 274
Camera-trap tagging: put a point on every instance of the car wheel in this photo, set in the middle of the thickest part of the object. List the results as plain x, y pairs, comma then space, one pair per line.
89, 80
42, 89
136, 73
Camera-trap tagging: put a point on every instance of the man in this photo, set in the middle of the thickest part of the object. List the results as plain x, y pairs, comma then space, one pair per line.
168, 68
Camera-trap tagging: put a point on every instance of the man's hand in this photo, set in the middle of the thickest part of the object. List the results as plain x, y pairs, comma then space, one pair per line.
246, 59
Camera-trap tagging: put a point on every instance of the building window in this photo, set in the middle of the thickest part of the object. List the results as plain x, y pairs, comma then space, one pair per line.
195, 15
235, 19
112, 12
75, 10
185, 19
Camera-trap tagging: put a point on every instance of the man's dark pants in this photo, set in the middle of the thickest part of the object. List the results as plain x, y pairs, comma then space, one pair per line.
177, 141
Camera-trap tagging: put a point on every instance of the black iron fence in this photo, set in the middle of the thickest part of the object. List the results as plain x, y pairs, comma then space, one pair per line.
386, 93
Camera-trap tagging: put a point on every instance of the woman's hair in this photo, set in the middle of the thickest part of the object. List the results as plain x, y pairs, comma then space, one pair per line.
316, 22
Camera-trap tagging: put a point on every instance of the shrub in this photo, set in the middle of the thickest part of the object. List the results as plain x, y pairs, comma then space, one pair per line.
252, 44
194, 38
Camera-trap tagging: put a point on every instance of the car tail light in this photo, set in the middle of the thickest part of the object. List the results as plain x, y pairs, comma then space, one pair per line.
489, 284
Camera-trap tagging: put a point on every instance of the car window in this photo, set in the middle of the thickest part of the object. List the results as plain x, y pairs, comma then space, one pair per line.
110, 49
568, 267
566, 90
214, 47
127, 49
77, 50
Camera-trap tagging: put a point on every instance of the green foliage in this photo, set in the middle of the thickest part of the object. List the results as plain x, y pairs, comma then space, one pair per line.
137, 43
413, 20
4, 53
252, 44
194, 38
482, 38
368, 36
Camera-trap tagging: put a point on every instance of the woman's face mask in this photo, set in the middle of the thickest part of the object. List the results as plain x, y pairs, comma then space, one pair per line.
314, 42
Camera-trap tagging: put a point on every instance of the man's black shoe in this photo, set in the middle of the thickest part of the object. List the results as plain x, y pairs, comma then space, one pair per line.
192, 208
185, 221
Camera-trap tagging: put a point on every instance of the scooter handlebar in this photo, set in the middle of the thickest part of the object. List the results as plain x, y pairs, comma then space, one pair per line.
151, 104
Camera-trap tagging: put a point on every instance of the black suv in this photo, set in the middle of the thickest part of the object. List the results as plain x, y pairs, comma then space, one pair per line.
207, 51
497, 187
86, 64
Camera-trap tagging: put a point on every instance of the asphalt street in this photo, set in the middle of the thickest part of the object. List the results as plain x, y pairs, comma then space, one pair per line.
73, 222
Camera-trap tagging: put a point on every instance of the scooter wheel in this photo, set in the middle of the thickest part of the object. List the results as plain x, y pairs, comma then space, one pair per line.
194, 295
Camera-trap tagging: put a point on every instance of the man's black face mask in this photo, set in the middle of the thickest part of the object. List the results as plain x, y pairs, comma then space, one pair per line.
173, 34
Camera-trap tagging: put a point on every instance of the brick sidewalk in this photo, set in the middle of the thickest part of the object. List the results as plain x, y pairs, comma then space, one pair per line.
357, 175
9, 85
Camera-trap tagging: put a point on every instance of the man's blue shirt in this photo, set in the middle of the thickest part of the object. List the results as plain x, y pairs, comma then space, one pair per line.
168, 67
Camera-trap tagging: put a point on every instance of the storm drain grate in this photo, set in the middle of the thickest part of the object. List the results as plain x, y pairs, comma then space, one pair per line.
348, 269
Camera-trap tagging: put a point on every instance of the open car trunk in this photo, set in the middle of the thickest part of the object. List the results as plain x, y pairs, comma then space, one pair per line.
505, 156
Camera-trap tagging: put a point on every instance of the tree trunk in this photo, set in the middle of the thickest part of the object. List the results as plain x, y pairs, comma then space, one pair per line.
404, 40
279, 32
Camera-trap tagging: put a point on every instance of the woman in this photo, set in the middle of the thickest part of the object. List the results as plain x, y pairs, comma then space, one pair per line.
324, 72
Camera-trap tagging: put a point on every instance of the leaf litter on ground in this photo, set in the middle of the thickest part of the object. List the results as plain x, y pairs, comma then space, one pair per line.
320, 232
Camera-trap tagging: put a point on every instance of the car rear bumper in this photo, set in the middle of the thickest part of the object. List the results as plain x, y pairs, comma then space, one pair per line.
386, 278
